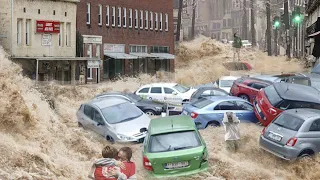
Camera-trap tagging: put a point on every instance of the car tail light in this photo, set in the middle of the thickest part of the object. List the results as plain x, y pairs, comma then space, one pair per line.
292, 141
147, 164
263, 131
194, 115
272, 111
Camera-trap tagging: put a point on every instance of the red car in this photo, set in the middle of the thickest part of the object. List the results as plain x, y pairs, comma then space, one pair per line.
274, 99
247, 88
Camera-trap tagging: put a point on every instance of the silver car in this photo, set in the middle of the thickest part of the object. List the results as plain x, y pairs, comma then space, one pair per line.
116, 119
294, 134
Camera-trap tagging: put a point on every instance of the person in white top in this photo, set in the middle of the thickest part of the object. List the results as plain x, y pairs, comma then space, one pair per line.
232, 136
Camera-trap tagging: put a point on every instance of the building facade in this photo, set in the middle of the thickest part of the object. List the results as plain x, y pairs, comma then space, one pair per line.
41, 37
312, 34
130, 37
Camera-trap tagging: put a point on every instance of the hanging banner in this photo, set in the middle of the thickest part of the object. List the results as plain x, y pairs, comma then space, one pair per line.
48, 27
93, 63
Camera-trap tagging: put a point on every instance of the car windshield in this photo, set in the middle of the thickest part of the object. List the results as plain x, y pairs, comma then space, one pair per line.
289, 122
135, 97
226, 83
180, 88
201, 103
121, 113
174, 141
272, 95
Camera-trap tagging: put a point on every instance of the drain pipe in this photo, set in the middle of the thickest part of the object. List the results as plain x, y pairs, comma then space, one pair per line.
12, 2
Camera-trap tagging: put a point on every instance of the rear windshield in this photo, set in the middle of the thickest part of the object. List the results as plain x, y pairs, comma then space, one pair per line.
301, 81
174, 141
201, 103
272, 95
289, 122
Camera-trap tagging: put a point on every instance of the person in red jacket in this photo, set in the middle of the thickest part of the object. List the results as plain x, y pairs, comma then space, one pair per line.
125, 155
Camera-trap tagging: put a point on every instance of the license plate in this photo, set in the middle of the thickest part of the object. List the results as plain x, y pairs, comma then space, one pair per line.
274, 137
258, 108
185, 112
177, 165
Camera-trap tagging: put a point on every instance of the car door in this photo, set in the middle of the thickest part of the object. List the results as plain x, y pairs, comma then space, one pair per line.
156, 94
314, 133
245, 112
144, 92
224, 107
99, 125
171, 96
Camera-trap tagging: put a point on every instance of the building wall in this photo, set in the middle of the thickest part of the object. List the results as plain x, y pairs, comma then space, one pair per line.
50, 11
5, 24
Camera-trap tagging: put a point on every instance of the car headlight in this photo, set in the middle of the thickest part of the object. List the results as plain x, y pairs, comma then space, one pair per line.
124, 137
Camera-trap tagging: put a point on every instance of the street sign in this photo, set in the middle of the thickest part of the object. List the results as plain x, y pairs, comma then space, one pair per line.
93, 63
48, 27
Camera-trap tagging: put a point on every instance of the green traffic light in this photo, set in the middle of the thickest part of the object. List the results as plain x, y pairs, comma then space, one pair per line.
297, 19
276, 24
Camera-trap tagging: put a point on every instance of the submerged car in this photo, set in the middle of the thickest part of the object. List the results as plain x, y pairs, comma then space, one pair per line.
294, 134
148, 106
115, 119
207, 91
210, 111
174, 147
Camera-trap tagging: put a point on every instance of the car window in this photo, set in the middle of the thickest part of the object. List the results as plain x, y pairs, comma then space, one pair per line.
272, 95
201, 103
244, 106
97, 117
227, 105
258, 86
88, 111
180, 88
240, 80
289, 122
156, 90
285, 104
218, 93
174, 141
315, 126
206, 93
144, 90
168, 90
226, 83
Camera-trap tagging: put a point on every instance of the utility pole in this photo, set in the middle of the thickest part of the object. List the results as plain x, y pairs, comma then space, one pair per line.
253, 31
244, 21
276, 41
268, 28
179, 20
193, 18
287, 26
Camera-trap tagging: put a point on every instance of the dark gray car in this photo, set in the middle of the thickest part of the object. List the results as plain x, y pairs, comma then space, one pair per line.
203, 92
295, 133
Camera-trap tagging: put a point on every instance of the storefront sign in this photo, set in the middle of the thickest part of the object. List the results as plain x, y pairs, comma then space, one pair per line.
48, 27
93, 64
46, 40
107, 48
92, 39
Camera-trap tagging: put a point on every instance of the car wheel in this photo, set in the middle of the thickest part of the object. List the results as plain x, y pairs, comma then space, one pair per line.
245, 97
150, 113
213, 124
306, 155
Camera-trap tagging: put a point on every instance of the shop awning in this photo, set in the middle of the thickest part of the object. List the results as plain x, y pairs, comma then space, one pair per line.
120, 56
143, 55
163, 55
314, 34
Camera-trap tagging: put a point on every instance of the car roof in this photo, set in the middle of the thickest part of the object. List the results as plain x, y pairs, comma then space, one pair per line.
171, 124
107, 102
229, 77
291, 91
111, 93
304, 113
159, 84
224, 98
211, 88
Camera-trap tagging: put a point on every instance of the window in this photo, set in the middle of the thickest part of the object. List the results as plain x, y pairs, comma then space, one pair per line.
181, 88
19, 32
160, 23
61, 34
68, 34
156, 22
54, 12
137, 49
144, 90
88, 13
219, 93
89, 52
89, 73
136, 19
124, 17
201, 103
97, 117
289, 122
141, 19
100, 15
38, 11
88, 111
156, 90
130, 18
258, 86
113, 20
151, 20
98, 50
206, 93
119, 16
244, 106
146, 21
272, 95
168, 90
107, 15
28, 30
159, 49
65, 14
166, 24
315, 126
227, 105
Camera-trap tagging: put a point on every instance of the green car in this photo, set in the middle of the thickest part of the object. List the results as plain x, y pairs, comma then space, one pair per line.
174, 147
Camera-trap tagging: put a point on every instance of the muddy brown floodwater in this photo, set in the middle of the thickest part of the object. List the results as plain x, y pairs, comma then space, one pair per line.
40, 138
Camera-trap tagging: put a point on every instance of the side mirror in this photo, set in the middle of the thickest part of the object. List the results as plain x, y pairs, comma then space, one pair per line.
174, 93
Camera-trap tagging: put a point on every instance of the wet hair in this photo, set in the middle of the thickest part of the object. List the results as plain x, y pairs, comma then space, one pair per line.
128, 152
109, 152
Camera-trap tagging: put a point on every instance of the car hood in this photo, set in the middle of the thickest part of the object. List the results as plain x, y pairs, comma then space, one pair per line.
132, 127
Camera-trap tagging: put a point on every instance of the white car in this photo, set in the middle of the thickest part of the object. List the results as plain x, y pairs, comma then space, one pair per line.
171, 93
225, 82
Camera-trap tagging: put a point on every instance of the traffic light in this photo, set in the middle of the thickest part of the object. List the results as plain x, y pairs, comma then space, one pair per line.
276, 22
296, 15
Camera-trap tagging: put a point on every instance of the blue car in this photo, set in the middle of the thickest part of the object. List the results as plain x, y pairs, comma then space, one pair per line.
210, 111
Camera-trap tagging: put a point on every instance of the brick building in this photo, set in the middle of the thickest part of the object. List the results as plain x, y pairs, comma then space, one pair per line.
131, 37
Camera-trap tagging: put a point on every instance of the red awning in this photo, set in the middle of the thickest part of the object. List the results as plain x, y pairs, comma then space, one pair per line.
314, 34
